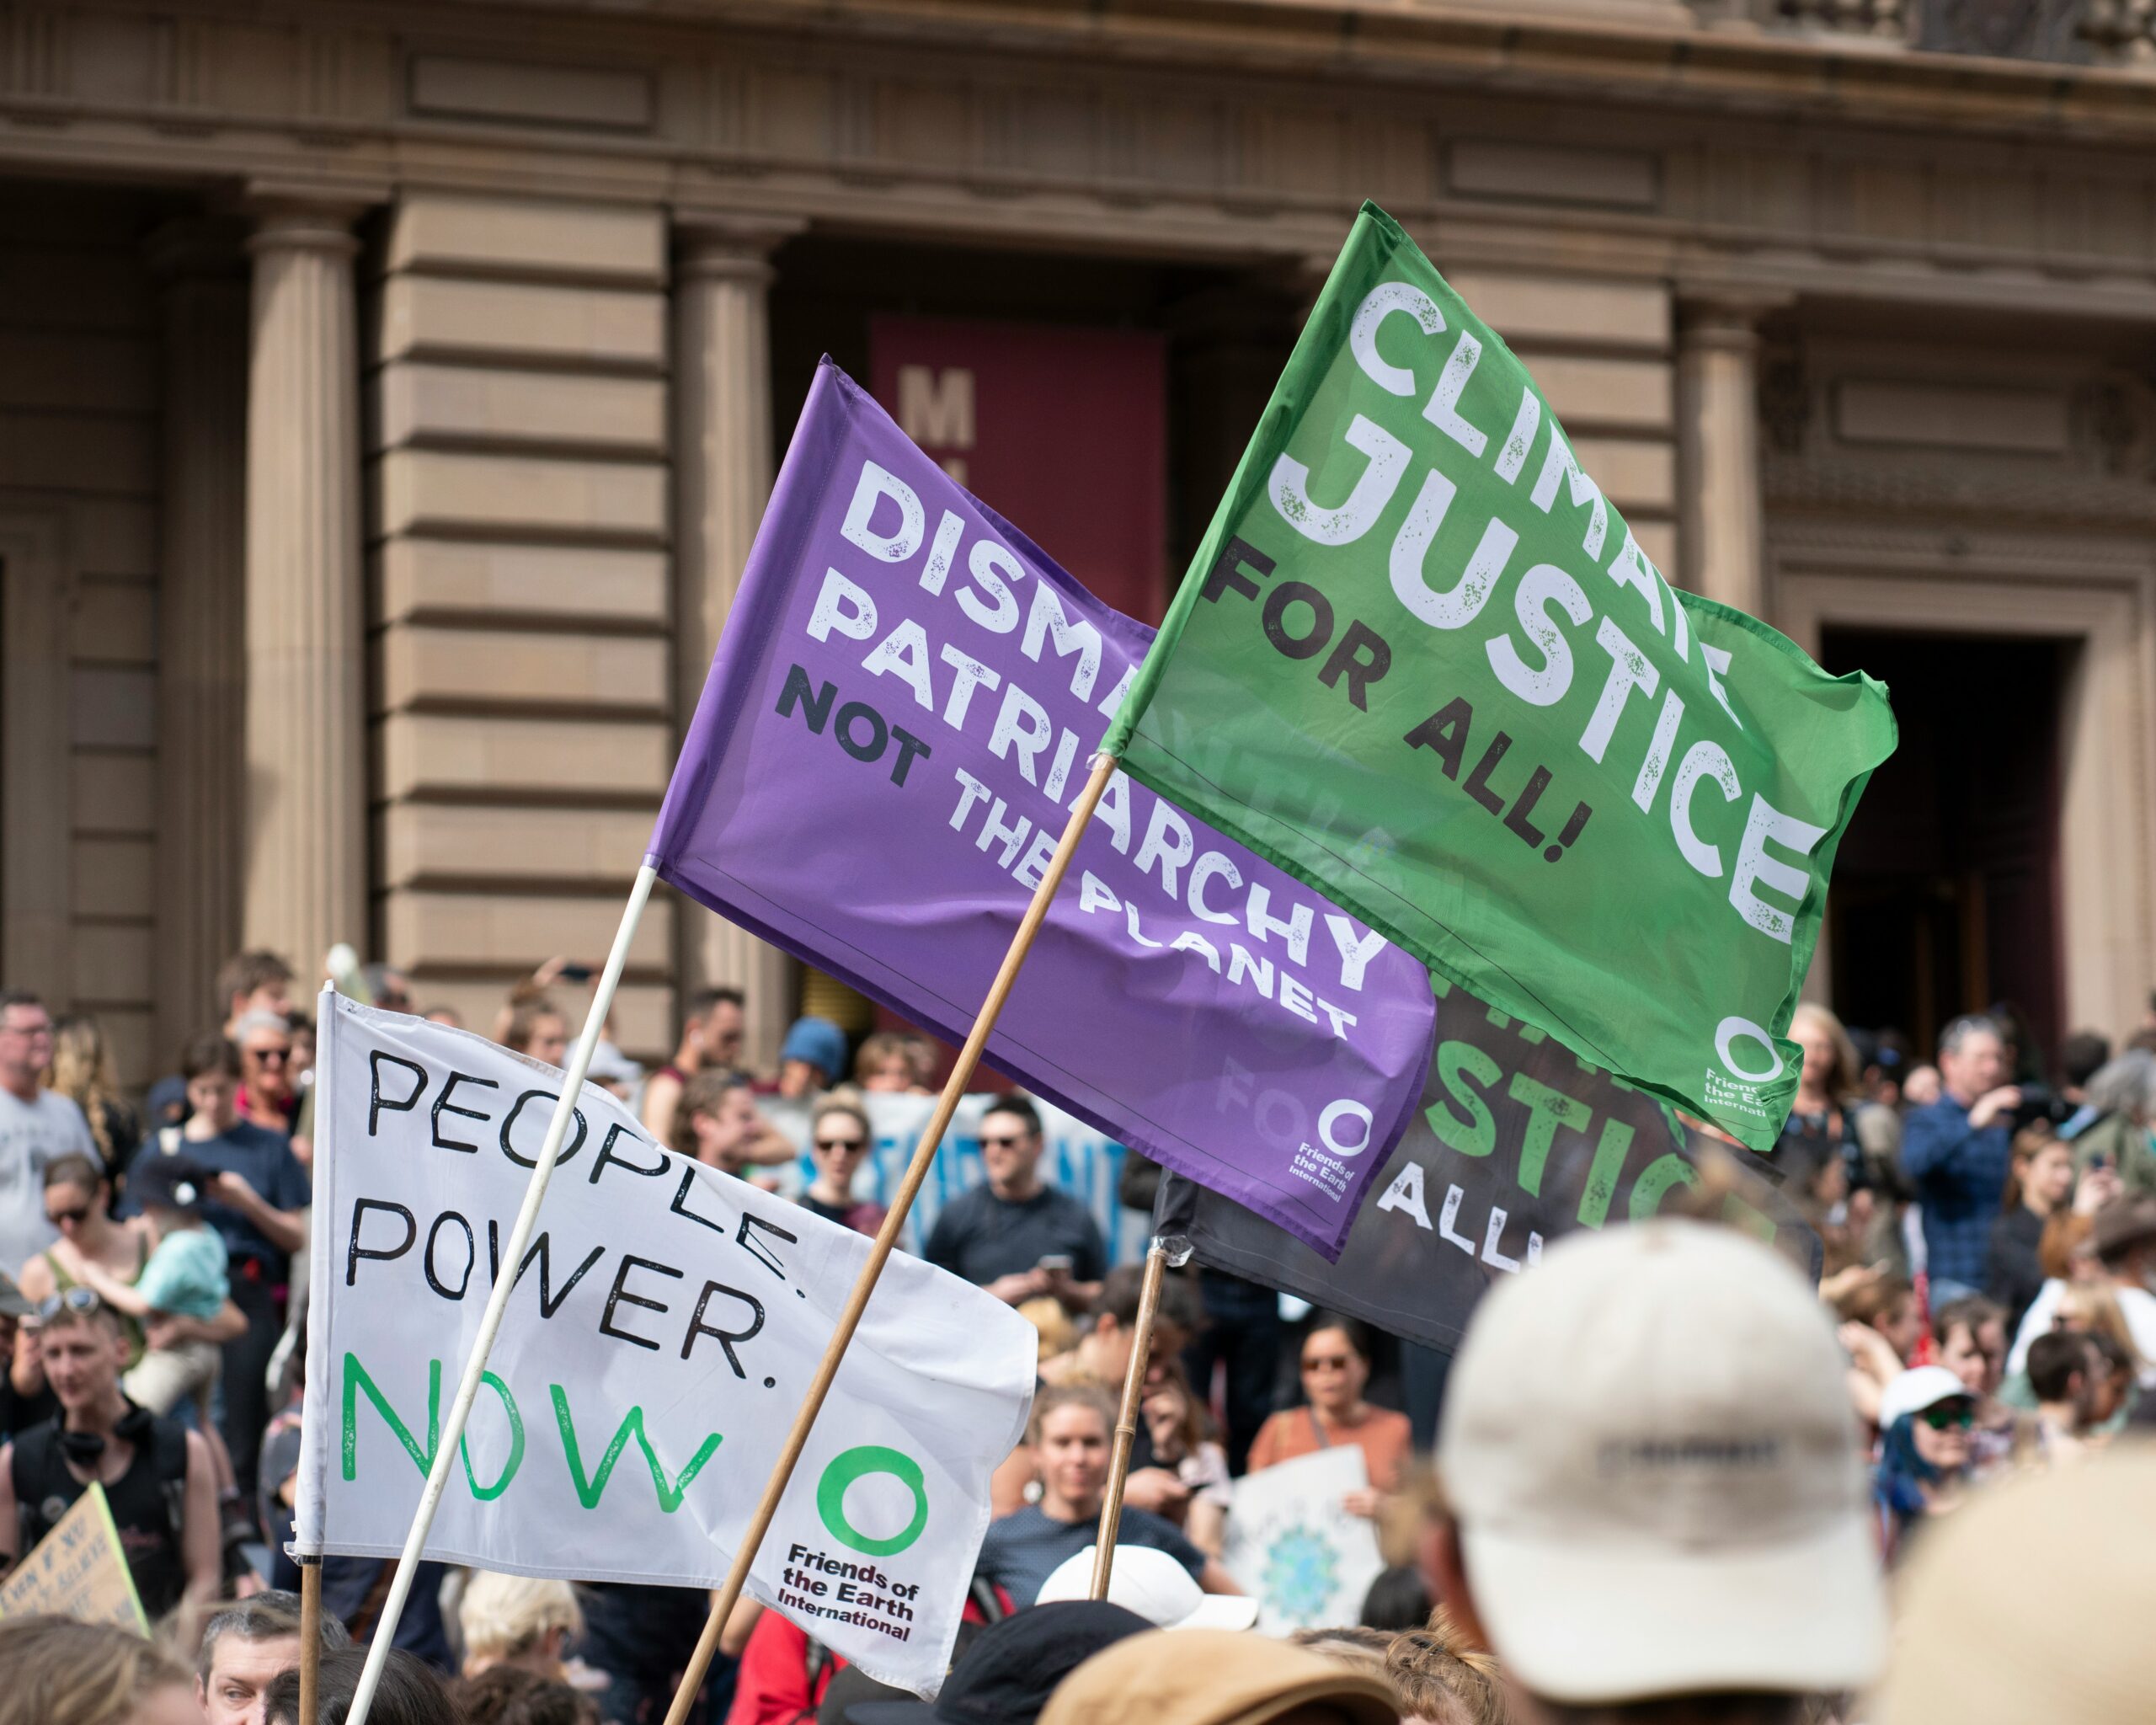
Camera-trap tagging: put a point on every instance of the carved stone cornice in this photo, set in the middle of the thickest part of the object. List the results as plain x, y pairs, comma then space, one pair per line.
1233, 131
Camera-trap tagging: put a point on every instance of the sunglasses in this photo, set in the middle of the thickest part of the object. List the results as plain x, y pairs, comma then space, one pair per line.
1941, 1419
1002, 1143
271, 1056
841, 1144
60, 1218
67, 1300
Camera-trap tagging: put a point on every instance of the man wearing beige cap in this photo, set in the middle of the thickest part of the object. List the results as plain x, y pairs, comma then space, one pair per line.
1657, 1501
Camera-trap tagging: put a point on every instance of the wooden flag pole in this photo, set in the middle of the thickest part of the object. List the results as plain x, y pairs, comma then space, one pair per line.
490, 1323
310, 1636
954, 1087
1126, 1424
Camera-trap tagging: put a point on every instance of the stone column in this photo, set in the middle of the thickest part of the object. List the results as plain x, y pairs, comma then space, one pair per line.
201, 666
723, 478
1721, 545
305, 882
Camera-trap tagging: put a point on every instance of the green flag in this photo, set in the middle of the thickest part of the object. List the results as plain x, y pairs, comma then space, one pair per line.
1422, 663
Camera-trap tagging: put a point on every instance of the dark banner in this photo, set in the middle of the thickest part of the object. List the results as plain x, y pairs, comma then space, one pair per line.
1516, 1142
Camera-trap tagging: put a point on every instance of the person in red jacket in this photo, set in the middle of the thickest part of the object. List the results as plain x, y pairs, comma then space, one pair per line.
784, 1673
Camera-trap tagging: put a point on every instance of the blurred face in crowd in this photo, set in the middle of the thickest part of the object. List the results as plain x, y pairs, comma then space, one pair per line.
1922, 1089
1819, 1048
1166, 1409
2050, 1179
210, 1095
68, 1206
266, 1064
1074, 1459
2107, 1390
81, 1356
721, 1034
26, 1047
1976, 1066
893, 1074
798, 1079
1009, 1150
1107, 1349
550, 1039
1941, 1432
1977, 1357
838, 1148
722, 1132
273, 998
240, 1671
1333, 1373
1902, 1324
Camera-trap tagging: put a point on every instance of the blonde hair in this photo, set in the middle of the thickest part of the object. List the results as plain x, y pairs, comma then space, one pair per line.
61, 1672
503, 1616
1057, 1334
2096, 1311
1443, 1677
1348, 1644
83, 1069
1845, 1081
890, 1045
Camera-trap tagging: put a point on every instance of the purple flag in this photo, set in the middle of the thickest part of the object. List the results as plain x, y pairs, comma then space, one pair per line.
896, 724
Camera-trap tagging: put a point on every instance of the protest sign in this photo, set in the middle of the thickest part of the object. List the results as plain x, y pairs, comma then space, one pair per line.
661, 1329
878, 771
1292, 1548
1421, 663
1517, 1141
78, 1570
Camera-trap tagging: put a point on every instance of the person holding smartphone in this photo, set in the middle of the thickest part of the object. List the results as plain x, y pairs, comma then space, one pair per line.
1012, 1235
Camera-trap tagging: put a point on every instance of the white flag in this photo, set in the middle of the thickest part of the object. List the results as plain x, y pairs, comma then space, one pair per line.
664, 1325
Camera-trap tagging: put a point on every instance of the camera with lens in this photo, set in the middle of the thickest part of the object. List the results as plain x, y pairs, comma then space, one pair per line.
2040, 1102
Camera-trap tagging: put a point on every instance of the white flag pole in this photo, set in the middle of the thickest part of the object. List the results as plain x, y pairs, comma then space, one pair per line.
452, 1432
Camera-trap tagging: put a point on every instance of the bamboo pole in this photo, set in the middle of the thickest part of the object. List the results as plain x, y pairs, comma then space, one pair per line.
759, 1521
1126, 1424
490, 1323
310, 1636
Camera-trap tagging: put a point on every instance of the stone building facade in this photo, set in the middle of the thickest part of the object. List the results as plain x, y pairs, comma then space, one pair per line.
389, 392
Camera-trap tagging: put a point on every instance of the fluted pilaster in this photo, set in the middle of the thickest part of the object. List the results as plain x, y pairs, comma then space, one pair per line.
723, 465
201, 667
306, 838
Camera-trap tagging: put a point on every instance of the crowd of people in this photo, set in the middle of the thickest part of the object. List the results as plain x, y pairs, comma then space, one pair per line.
1673, 1473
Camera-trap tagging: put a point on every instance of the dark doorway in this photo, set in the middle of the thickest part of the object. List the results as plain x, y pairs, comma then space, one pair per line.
1946, 891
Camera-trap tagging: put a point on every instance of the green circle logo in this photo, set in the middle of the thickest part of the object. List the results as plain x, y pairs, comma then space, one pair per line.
852, 1465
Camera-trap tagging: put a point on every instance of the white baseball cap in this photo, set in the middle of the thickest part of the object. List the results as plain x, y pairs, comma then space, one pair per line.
1650, 1450
1155, 1586
1917, 1389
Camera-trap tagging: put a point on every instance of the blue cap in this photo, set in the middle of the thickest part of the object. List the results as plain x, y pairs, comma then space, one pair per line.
820, 1043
